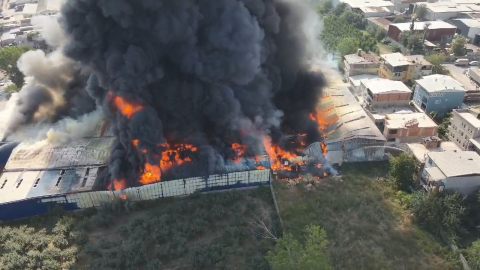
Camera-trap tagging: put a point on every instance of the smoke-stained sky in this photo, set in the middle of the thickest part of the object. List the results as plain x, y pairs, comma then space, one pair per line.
209, 73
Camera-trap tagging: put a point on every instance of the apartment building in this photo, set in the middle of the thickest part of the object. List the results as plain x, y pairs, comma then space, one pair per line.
396, 66
381, 92
439, 93
360, 64
464, 129
409, 127
419, 67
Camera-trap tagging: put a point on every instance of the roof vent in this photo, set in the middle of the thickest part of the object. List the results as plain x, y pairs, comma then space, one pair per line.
470, 159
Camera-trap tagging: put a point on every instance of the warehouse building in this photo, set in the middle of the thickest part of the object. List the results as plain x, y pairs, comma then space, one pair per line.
468, 28
438, 31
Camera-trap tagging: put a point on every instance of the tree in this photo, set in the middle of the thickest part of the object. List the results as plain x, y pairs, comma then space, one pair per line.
12, 88
415, 44
473, 255
395, 48
340, 9
438, 212
8, 61
355, 18
444, 123
421, 11
402, 169
289, 254
380, 34
437, 60
348, 46
458, 46
325, 7
399, 20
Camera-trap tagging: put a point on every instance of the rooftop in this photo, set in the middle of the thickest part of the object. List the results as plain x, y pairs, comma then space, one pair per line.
30, 9
446, 6
367, 10
364, 59
418, 59
435, 173
420, 26
367, 3
437, 83
345, 118
469, 22
401, 120
49, 5
468, 117
454, 164
395, 59
380, 85
380, 22
357, 79
420, 151
476, 142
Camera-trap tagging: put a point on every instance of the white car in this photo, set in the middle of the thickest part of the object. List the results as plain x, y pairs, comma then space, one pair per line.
473, 63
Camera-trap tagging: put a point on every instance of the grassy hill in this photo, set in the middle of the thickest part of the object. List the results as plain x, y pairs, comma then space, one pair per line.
365, 223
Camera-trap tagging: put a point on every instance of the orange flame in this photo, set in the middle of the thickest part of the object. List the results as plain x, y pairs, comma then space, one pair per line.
126, 108
123, 197
279, 159
262, 168
151, 174
135, 143
118, 184
324, 147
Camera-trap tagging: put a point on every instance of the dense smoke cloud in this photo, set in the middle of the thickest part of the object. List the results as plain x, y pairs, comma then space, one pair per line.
54, 84
209, 73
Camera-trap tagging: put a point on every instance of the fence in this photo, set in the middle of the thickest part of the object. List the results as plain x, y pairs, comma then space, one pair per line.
180, 187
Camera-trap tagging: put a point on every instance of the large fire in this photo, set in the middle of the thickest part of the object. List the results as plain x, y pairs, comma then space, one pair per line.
128, 109
118, 184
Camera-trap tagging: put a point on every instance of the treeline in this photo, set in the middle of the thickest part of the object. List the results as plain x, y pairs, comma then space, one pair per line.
344, 30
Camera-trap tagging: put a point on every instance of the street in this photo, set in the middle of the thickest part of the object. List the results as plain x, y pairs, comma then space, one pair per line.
458, 73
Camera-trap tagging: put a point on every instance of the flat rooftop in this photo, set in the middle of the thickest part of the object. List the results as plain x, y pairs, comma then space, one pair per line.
399, 120
468, 117
363, 59
367, 3
418, 59
357, 79
439, 83
395, 59
380, 22
420, 26
380, 85
420, 152
454, 164
469, 22
367, 10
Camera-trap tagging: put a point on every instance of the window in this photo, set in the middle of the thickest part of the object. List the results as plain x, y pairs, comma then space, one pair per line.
393, 131
36, 182
19, 182
391, 139
58, 181
4, 182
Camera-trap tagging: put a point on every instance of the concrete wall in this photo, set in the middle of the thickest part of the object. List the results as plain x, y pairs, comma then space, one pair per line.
412, 134
463, 185
180, 187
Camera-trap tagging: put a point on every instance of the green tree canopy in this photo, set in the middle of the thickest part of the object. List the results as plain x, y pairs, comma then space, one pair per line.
458, 46
348, 46
437, 60
395, 48
289, 254
325, 7
421, 11
402, 169
413, 42
473, 255
380, 34
338, 10
8, 61
399, 20
357, 19
438, 212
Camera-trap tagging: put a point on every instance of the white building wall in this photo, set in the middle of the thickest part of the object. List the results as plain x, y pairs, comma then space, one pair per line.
472, 32
463, 185
172, 188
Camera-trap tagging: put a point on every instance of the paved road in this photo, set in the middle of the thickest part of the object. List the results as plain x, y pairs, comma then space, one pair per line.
458, 73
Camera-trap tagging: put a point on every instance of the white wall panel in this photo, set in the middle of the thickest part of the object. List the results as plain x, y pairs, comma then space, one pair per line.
173, 188
194, 184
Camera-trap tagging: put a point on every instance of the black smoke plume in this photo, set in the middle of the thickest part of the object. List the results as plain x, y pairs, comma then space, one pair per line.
208, 73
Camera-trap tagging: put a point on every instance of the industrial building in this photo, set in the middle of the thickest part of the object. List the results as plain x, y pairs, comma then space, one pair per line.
346, 126
468, 28
438, 93
358, 4
438, 31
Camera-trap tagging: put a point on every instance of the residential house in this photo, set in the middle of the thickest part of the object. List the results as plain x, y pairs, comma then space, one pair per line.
464, 129
467, 27
438, 31
418, 67
379, 23
377, 92
438, 93
356, 82
452, 171
429, 144
409, 127
358, 4
393, 66
360, 64
369, 12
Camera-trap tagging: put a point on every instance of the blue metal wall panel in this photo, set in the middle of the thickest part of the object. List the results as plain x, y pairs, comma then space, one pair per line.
29, 208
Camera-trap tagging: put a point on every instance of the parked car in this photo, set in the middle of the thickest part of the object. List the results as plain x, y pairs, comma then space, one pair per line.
473, 63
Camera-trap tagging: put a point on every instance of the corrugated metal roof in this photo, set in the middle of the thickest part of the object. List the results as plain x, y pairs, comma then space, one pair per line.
457, 163
85, 152
16, 186
346, 118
